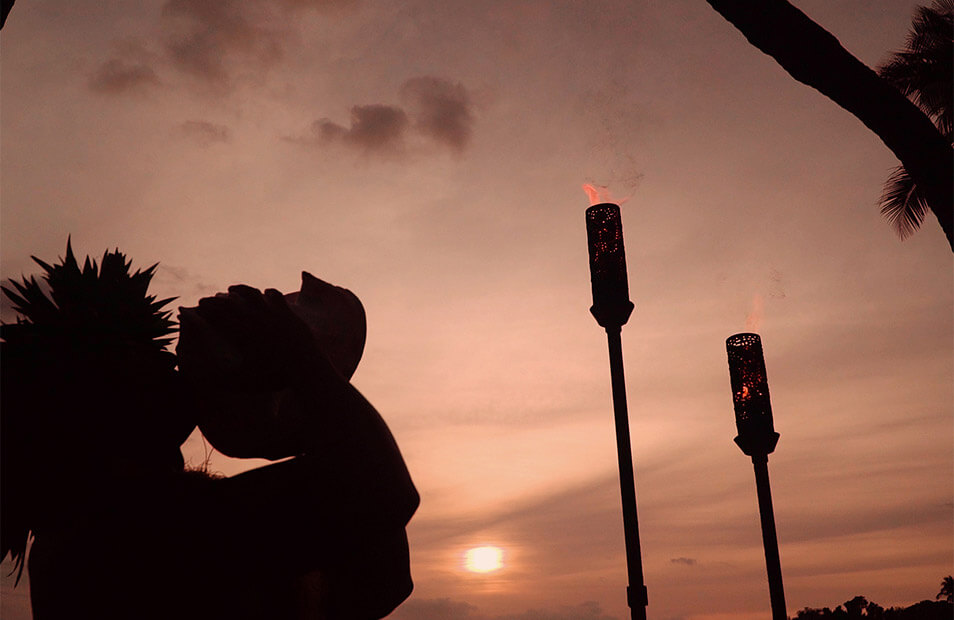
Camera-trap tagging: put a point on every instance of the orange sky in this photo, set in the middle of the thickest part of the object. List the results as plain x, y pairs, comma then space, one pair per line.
429, 156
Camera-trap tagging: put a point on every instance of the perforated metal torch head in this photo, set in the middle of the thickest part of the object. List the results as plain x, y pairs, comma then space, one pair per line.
750, 395
604, 234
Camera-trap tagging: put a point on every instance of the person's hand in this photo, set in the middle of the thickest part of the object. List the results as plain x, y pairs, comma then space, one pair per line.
244, 353
246, 341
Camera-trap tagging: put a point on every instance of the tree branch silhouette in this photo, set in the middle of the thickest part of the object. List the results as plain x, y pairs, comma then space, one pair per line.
813, 56
5, 7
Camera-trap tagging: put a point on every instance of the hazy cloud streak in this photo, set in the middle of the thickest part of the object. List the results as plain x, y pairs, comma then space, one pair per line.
117, 76
205, 133
210, 31
447, 609
320, 5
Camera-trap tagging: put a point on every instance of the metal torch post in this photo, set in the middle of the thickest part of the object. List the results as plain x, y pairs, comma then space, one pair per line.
612, 308
637, 596
773, 564
757, 439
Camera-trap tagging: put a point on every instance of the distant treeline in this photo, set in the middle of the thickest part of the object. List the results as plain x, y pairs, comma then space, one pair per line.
862, 609
859, 607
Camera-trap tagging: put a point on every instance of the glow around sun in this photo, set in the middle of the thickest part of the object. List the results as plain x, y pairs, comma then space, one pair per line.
483, 559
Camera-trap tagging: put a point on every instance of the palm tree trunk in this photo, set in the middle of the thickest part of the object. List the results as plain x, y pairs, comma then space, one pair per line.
811, 55
5, 7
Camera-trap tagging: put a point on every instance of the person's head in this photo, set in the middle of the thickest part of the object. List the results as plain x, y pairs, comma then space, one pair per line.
86, 385
240, 351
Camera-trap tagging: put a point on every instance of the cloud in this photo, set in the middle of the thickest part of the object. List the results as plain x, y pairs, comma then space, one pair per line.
205, 133
130, 70
209, 40
589, 610
684, 561
375, 128
117, 76
209, 32
442, 110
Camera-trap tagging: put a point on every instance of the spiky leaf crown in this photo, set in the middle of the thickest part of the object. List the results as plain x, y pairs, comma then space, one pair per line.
98, 330
104, 304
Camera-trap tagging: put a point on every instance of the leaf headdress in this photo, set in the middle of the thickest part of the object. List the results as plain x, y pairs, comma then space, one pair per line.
81, 330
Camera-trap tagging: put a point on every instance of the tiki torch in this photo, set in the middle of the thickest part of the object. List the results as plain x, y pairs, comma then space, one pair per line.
757, 438
611, 308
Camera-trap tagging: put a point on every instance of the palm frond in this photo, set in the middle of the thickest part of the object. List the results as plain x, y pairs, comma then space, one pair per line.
923, 70
902, 204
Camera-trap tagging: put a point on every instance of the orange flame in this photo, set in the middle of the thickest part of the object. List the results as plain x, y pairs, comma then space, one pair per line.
754, 319
597, 193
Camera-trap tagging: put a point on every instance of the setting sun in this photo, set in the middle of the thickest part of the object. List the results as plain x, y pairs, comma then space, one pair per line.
483, 559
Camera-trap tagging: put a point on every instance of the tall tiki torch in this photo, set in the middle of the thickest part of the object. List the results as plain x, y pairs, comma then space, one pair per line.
757, 438
611, 308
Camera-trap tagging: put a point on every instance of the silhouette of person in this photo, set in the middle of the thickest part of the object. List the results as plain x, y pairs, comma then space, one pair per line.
94, 412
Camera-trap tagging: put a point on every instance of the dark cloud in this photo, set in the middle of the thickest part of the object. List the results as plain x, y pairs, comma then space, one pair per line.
205, 133
213, 40
209, 32
684, 561
374, 128
117, 76
442, 110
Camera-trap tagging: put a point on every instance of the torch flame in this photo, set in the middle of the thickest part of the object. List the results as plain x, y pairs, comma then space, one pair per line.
597, 193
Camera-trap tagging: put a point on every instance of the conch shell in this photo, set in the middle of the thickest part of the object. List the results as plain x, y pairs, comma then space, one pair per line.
257, 422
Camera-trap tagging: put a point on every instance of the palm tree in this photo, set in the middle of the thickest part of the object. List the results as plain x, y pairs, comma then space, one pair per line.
5, 7
947, 589
813, 56
923, 71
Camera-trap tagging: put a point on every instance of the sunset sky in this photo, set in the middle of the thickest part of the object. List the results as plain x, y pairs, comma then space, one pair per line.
429, 155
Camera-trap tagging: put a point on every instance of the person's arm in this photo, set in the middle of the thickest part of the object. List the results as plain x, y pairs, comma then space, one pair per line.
338, 507
349, 466
266, 390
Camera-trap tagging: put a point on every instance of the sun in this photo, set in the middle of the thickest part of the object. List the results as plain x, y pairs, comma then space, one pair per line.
483, 559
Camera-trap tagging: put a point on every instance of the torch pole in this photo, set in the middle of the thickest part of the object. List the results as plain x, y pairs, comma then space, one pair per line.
611, 309
636, 594
757, 439
773, 565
